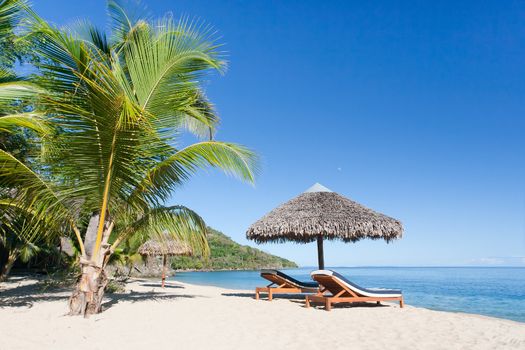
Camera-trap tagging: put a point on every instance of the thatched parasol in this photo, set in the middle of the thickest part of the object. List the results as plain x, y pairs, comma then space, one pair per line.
320, 213
165, 247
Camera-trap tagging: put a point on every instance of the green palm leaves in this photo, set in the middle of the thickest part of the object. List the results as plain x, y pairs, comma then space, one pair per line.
110, 112
9, 13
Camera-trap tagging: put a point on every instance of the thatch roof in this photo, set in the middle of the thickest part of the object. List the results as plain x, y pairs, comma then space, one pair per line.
321, 212
165, 247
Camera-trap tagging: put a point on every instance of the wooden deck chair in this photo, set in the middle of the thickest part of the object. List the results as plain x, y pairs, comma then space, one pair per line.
284, 284
334, 288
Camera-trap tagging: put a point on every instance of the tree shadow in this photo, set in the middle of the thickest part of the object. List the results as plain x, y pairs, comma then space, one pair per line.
27, 295
135, 297
159, 285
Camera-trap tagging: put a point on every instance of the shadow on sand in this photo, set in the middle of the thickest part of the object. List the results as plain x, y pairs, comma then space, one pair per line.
158, 285
264, 296
348, 305
299, 299
134, 297
27, 295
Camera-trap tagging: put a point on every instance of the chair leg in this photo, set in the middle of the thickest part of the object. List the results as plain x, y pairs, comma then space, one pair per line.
328, 304
307, 302
270, 297
256, 293
401, 302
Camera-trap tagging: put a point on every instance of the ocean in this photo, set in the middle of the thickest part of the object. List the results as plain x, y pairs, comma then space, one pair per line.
491, 291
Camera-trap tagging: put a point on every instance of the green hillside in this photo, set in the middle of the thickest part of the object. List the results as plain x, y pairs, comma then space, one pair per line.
227, 254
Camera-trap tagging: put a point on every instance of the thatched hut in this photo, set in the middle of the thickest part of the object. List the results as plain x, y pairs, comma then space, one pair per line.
320, 213
165, 247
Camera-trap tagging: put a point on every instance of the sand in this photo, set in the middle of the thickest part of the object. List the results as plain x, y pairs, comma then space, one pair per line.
185, 316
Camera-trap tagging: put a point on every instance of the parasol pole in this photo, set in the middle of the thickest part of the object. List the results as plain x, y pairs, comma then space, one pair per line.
163, 269
320, 252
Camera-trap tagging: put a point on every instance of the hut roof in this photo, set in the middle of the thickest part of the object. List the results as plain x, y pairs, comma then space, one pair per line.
319, 211
165, 247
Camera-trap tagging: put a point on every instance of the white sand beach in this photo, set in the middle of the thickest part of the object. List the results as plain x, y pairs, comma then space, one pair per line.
185, 316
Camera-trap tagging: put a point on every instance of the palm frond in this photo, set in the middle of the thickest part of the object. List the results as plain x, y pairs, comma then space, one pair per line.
33, 121
14, 89
176, 222
163, 64
95, 110
93, 36
10, 12
31, 191
124, 21
161, 180
28, 250
25, 224
199, 117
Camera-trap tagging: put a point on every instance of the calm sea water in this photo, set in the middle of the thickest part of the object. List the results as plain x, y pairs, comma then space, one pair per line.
491, 291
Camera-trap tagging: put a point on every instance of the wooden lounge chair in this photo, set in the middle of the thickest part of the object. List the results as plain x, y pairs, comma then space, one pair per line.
284, 284
334, 288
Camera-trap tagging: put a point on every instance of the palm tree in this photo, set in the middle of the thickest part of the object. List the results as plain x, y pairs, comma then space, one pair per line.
113, 109
14, 220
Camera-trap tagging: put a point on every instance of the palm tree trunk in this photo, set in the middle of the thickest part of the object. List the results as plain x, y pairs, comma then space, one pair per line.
6, 269
88, 295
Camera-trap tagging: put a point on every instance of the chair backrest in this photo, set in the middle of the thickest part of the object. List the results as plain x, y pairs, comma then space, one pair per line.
281, 278
274, 277
339, 285
333, 285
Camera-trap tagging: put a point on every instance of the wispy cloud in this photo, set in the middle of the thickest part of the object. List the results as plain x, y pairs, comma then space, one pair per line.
500, 261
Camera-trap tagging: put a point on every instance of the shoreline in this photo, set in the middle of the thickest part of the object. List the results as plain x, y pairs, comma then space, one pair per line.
170, 279
195, 316
409, 305
360, 267
393, 303
453, 294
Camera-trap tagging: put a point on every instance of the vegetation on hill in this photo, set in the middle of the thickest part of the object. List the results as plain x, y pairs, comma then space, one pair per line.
226, 254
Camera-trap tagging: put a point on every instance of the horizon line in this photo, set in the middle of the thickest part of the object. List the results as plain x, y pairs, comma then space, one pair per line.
418, 266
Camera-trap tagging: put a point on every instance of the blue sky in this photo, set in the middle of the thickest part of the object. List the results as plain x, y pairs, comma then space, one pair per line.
415, 109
